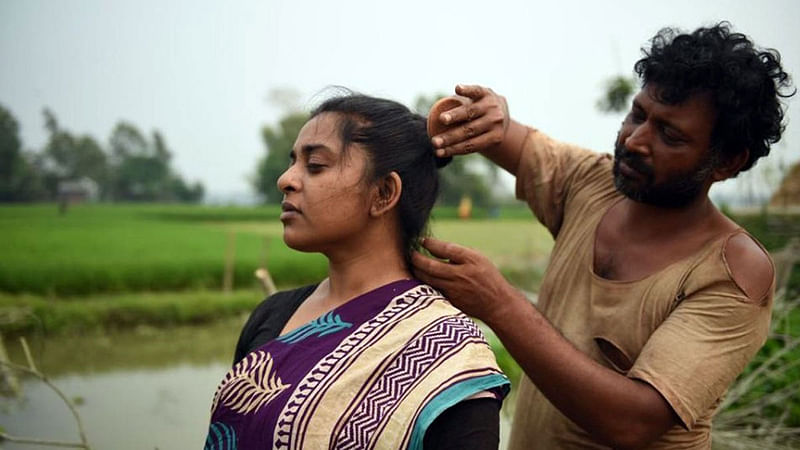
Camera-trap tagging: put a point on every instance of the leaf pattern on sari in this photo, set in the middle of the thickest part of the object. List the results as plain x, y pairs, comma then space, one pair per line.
220, 436
249, 385
321, 326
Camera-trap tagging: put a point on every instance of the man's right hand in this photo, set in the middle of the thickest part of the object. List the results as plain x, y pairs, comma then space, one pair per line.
475, 127
482, 126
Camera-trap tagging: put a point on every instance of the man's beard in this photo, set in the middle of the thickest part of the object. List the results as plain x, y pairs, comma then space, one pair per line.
677, 191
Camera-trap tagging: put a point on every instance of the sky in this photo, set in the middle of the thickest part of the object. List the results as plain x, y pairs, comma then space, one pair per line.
202, 71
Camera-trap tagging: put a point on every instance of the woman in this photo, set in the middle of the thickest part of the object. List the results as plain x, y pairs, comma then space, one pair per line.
369, 357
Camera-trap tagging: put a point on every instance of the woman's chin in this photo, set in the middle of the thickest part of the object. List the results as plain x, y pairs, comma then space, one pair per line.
300, 245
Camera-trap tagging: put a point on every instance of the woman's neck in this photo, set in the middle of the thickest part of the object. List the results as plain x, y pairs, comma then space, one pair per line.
362, 268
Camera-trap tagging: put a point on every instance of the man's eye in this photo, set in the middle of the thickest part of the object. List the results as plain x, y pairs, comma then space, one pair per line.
669, 138
313, 167
637, 117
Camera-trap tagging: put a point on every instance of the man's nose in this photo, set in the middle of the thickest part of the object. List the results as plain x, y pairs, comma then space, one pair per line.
640, 139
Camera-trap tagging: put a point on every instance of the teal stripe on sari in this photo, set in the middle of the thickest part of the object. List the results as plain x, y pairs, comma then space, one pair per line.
450, 397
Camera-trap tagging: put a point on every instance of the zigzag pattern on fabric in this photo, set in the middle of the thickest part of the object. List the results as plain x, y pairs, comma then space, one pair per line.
321, 326
294, 418
408, 368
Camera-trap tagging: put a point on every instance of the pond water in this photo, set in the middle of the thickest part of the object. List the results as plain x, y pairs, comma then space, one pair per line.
139, 389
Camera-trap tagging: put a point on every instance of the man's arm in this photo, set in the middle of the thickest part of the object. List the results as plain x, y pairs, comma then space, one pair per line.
615, 410
482, 126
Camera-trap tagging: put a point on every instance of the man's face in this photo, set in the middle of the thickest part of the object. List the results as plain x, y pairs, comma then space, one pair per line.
662, 155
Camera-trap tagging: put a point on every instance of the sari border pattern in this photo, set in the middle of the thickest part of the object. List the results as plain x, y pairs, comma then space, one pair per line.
296, 414
437, 343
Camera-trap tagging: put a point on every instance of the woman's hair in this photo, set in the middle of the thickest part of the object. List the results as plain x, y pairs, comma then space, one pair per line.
745, 84
395, 140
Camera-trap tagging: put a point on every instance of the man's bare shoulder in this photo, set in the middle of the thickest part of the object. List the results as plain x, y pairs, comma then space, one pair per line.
750, 266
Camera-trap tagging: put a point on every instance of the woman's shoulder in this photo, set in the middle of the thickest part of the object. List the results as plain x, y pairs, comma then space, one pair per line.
268, 318
276, 308
292, 294
282, 299
455, 317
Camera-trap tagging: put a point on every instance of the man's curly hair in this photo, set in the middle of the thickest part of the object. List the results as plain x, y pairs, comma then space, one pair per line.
745, 84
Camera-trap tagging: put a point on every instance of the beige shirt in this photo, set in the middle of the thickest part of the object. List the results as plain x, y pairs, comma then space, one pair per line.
687, 330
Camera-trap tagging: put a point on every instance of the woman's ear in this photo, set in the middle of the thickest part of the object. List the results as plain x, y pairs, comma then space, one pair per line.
387, 194
730, 167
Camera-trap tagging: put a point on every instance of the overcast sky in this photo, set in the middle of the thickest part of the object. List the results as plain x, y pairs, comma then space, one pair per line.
200, 71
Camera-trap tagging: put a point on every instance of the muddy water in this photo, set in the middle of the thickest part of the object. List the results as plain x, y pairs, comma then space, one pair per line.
141, 389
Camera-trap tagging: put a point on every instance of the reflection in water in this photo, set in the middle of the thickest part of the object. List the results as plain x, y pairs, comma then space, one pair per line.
144, 389
125, 409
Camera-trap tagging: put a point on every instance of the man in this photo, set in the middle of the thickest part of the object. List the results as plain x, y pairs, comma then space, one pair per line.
653, 301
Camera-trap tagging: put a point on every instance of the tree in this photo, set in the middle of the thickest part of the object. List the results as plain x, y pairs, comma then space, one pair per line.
19, 179
278, 141
70, 157
126, 141
617, 94
141, 169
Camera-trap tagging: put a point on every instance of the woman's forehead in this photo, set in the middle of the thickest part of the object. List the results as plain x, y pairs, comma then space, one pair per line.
321, 129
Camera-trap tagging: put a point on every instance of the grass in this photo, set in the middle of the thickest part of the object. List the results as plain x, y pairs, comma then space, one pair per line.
99, 248
110, 266
31, 314
103, 248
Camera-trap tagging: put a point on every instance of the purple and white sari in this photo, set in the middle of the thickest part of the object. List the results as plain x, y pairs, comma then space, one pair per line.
372, 373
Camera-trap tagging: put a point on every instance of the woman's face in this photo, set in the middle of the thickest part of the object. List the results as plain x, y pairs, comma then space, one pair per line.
326, 200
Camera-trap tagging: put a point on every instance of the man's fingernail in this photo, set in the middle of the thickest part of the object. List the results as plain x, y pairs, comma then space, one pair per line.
441, 153
447, 118
437, 141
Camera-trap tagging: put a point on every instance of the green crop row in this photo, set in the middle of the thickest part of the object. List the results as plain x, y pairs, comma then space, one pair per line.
112, 248
37, 315
122, 249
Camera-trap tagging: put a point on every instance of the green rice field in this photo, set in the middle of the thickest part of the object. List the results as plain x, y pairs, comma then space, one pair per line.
99, 249
103, 249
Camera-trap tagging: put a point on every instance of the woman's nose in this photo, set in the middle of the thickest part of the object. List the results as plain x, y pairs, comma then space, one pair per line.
287, 181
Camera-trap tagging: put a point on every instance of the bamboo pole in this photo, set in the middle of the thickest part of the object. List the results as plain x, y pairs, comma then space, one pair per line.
230, 257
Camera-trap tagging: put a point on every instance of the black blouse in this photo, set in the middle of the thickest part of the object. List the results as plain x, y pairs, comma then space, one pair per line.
470, 424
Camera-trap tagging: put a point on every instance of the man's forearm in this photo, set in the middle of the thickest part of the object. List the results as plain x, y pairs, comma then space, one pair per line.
614, 409
507, 153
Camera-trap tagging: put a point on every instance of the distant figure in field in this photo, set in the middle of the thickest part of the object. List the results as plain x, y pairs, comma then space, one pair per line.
653, 301
370, 357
